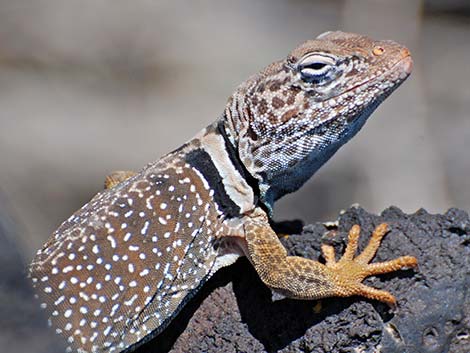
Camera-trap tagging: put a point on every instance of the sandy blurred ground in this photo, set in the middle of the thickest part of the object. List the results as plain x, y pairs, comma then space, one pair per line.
91, 86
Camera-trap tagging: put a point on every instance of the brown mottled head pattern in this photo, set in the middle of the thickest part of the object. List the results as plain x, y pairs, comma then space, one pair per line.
297, 112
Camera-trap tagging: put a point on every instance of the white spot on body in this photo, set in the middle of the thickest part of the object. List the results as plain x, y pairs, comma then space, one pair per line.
112, 241
144, 229
67, 269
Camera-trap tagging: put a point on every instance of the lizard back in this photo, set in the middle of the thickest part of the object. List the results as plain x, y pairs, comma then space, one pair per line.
123, 265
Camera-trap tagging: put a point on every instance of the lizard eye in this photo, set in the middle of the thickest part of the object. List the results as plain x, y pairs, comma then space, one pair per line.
316, 68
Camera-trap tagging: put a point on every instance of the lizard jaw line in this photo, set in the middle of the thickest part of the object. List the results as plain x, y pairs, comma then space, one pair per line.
407, 67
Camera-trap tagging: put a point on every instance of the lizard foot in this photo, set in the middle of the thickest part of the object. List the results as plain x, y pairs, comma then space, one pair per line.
350, 271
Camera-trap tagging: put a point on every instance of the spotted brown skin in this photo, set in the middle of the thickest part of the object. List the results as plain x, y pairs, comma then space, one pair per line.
119, 270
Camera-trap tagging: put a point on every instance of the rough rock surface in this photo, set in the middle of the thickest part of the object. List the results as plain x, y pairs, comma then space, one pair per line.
235, 312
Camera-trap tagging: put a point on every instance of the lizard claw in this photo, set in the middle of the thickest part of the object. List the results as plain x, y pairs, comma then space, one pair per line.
350, 271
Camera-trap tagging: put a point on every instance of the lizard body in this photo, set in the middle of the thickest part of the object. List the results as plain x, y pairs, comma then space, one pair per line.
119, 270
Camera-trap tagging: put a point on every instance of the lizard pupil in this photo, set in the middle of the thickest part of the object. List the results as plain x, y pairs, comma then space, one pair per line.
316, 72
317, 66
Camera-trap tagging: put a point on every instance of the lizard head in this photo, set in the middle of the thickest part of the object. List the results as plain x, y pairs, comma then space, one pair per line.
290, 118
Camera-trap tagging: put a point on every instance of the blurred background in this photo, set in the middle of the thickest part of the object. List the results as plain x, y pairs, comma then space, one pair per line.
92, 86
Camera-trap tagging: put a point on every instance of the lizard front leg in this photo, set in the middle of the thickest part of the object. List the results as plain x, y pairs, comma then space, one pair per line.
302, 278
117, 177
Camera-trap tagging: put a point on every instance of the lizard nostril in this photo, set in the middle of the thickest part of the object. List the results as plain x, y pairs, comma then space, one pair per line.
405, 53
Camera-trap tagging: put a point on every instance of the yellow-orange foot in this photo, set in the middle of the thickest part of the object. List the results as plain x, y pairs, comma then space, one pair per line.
350, 271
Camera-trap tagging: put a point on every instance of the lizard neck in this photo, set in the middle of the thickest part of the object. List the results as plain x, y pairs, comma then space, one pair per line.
275, 182
274, 186
213, 154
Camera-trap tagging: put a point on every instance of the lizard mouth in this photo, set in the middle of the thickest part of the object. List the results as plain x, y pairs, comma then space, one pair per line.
398, 72
406, 63
402, 73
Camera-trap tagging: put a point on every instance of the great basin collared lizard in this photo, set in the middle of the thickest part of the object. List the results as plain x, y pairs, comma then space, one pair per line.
119, 269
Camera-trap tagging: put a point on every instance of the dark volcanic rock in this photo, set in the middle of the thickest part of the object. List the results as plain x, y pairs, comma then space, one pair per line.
235, 312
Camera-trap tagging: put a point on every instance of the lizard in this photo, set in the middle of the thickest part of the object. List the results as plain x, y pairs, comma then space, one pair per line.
115, 273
